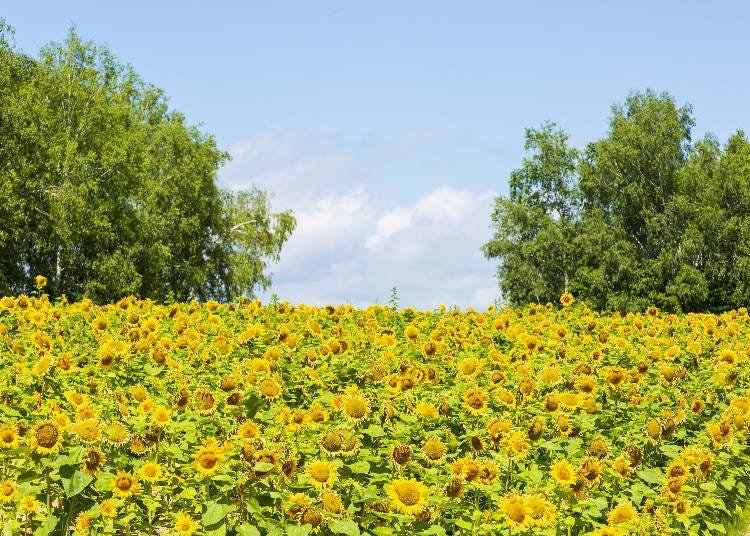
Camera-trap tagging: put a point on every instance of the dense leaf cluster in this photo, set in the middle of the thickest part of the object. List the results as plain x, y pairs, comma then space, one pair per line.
108, 192
643, 216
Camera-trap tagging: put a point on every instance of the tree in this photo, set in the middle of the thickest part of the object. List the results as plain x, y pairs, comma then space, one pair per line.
534, 225
108, 193
649, 218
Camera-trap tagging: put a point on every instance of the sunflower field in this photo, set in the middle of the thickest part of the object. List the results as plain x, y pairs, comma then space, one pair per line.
246, 419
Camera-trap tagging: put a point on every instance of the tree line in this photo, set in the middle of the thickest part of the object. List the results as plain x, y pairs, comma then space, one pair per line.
644, 216
108, 192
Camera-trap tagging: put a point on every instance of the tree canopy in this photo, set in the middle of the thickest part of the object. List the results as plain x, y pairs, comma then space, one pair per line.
643, 216
107, 192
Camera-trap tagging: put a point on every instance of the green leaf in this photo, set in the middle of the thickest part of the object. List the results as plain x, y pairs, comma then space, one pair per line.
217, 529
47, 526
344, 526
651, 475
374, 431
74, 481
263, 467
216, 512
437, 530
360, 467
298, 530
247, 530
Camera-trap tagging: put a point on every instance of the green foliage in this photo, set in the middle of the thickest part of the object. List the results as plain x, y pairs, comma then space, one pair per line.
642, 217
108, 193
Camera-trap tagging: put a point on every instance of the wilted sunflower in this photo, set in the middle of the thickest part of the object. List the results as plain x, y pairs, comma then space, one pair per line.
408, 496
331, 501
93, 461
124, 484
331, 442
46, 437
205, 400
401, 454
591, 470
321, 474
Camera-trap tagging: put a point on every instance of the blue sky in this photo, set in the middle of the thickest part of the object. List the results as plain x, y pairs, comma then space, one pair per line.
389, 127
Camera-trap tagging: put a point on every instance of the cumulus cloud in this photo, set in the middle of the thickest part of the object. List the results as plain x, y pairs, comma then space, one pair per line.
354, 242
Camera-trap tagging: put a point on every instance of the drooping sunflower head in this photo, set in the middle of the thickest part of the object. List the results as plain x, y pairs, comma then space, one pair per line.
401, 454
331, 501
408, 496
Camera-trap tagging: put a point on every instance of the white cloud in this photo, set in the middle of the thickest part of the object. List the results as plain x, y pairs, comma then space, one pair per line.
352, 245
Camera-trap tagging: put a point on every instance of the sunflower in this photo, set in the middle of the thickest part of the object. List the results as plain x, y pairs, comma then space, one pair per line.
408, 496
93, 461
28, 503
8, 436
567, 299
401, 454
505, 397
355, 407
541, 510
563, 473
288, 468
46, 437
490, 472
116, 434
83, 523
469, 367
161, 416
321, 474
518, 445
108, 508
208, 460
455, 487
434, 450
515, 511
88, 430
206, 401
124, 484
426, 410
8, 491
331, 501
184, 525
475, 400
248, 430
269, 388
311, 516
622, 513
150, 472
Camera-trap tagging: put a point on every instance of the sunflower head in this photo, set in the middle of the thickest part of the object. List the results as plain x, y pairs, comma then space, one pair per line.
408, 496
321, 474
46, 437
124, 484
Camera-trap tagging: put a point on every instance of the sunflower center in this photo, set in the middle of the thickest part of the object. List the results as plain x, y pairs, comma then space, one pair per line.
320, 472
124, 484
408, 494
356, 408
208, 460
47, 435
8, 436
517, 512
